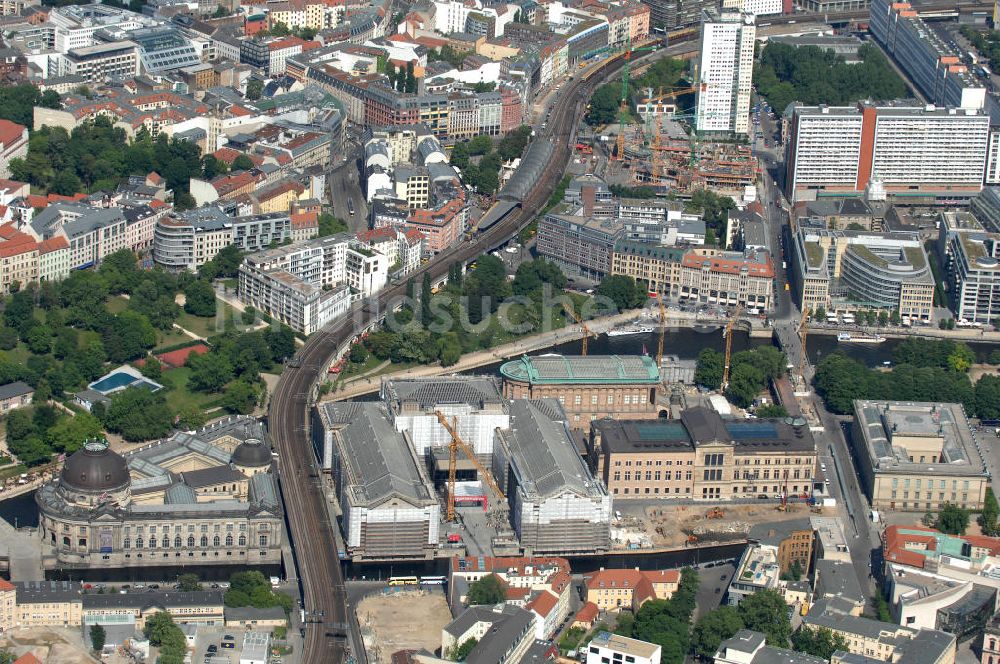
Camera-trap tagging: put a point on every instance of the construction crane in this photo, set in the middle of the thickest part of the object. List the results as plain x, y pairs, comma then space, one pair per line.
803, 332
568, 308
663, 333
623, 102
484, 473
729, 343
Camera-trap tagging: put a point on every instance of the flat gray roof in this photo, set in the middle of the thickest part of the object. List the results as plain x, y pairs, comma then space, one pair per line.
431, 392
377, 460
881, 421
543, 455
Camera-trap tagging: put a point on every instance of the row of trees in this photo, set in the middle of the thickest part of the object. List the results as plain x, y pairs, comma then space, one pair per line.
463, 316
714, 208
402, 79
666, 74
840, 379
987, 42
96, 156
749, 373
484, 173
813, 76
767, 613
17, 102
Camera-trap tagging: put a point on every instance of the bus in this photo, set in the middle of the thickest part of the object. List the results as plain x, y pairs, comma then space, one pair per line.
403, 581
433, 580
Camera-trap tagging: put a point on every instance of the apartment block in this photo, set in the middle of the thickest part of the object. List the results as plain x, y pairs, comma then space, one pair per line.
579, 245
844, 271
937, 152
612, 647
628, 589
728, 278
725, 72
876, 640
13, 145
927, 57
917, 456
658, 266
970, 257
188, 240
117, 60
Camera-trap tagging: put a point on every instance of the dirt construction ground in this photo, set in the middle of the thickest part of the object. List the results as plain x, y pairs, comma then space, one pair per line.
51, 645
402, 620
672, 525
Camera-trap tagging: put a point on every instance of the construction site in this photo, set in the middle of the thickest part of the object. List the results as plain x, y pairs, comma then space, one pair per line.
663, 151
669, 526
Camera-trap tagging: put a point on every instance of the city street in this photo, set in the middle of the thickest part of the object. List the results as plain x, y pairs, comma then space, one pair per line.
343, 180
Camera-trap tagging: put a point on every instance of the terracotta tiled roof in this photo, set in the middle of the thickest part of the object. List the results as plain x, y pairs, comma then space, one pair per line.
543, 603
10, 132
588, 614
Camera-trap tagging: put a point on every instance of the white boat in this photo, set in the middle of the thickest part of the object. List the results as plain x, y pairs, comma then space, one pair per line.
860, 338
631, 329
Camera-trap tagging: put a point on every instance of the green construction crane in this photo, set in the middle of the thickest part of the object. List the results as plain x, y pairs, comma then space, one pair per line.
623, 105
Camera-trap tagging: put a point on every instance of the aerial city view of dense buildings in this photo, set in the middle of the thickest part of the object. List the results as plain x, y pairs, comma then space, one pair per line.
425, 331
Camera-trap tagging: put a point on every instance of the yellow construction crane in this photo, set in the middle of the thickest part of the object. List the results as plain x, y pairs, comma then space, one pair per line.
803, 332
663, 332
484, 473
729, 343
568, 308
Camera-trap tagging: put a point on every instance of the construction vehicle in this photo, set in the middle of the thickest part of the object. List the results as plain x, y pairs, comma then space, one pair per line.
715, 513
730, 326
568, 308
470, 454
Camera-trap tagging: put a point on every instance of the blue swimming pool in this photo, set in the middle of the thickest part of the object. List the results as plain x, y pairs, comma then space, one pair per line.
122, 379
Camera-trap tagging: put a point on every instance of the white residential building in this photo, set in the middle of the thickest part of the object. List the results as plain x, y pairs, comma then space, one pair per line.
301, 306
755, 7
188, 240
725, 71
607, 647
971, 261
908, 149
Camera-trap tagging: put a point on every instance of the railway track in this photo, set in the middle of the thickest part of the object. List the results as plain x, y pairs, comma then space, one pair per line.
311, 531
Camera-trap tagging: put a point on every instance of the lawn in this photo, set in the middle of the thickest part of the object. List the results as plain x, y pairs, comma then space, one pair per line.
117, 304
170, 338
179, 396
208, 327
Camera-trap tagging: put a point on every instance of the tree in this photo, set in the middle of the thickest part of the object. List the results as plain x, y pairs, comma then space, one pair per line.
255, 87
425, 299
713, 628
410, 84
987, 392
358, 354
97, 637
138, 414
961, 358
604, 105
69, 433
988, 518
766, 612
745, 383
330, 225
209, 371
486, 590
463, 650
709, 369
152, 368
243, 163
241, 397
625, 292
189, 582
952, 519
820, 642
199, 299
771, 410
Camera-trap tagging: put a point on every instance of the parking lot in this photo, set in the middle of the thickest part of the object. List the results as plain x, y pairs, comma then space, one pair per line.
223, 645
